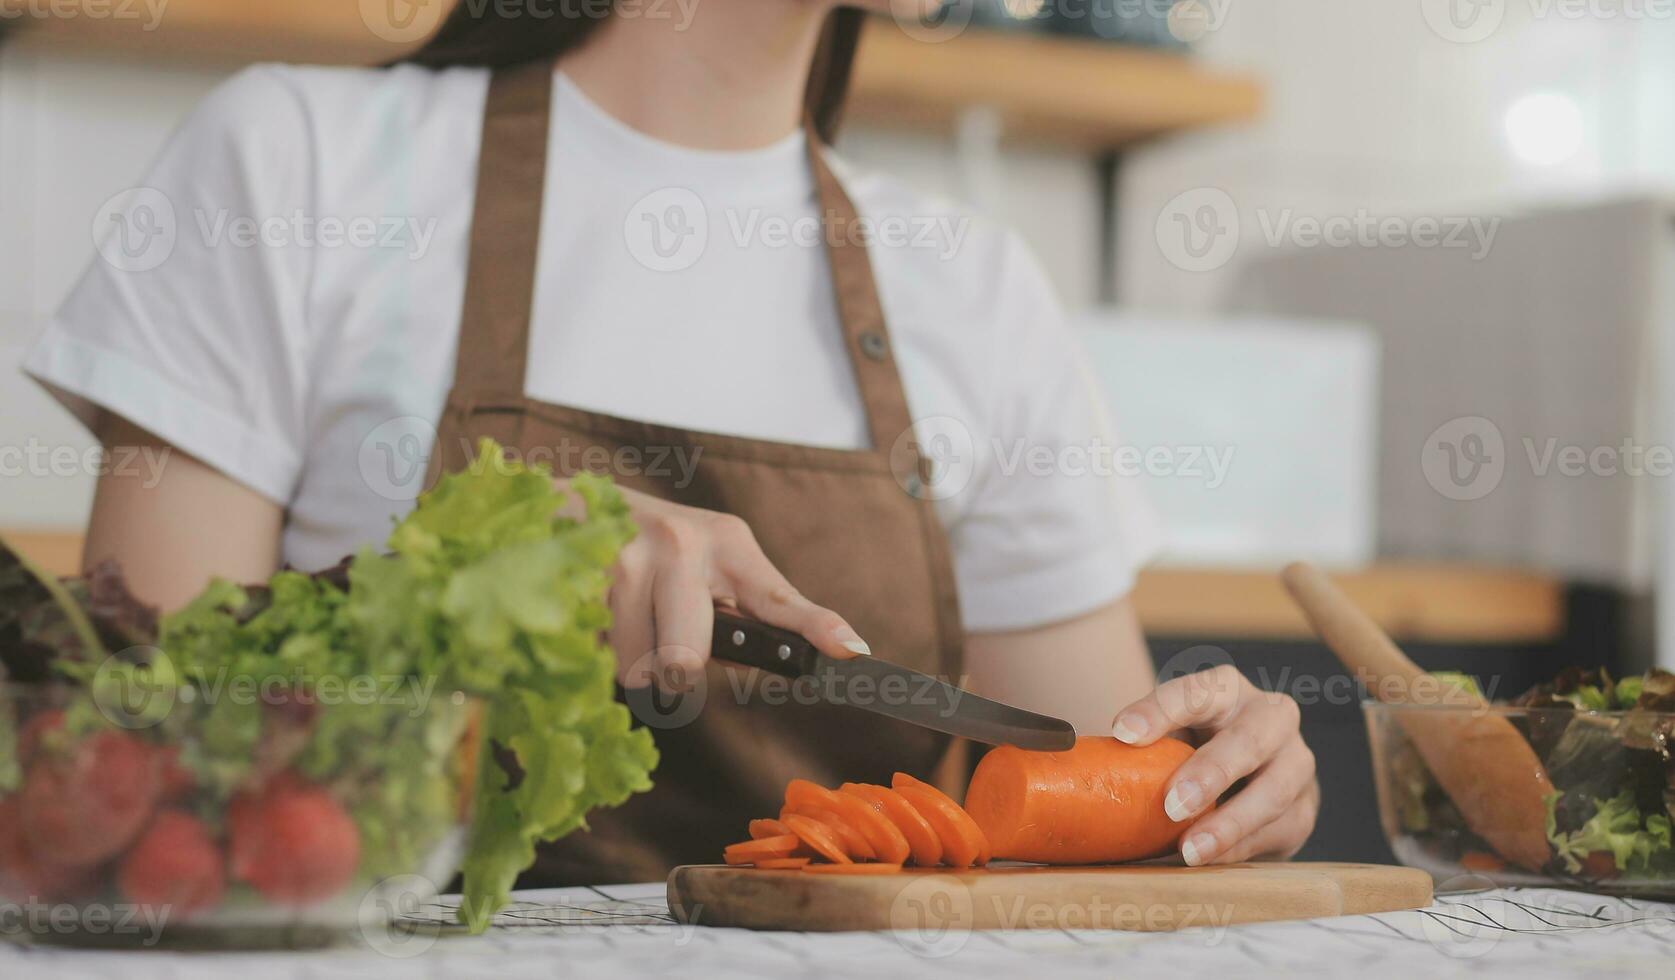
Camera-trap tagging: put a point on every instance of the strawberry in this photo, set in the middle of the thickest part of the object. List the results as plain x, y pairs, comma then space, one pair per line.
178, 781
88, 804
30, 735
292, 841
176, 865
24, 877
1599, 865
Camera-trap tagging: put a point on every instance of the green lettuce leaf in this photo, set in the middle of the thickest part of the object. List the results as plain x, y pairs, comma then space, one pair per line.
484, 588
1458, 679
1591, 698
1615, 828
492, 592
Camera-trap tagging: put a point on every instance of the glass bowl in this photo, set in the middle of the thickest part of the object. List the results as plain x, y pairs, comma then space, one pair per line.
241, 815
1607, 819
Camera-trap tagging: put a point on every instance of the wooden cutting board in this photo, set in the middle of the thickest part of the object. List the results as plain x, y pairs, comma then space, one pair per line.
1149, 898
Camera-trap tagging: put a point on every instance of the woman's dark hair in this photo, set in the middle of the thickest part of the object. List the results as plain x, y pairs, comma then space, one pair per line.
490, 35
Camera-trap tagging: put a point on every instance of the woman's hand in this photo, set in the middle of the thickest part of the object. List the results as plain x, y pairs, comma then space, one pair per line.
669, 579
1243, 732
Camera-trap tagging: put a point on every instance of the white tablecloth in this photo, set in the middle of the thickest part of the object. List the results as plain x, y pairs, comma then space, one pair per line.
626, 931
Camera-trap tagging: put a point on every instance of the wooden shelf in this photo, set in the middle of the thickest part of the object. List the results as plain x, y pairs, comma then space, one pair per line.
215, 32
1084, 93
1436, 603
1418, 602
58, 552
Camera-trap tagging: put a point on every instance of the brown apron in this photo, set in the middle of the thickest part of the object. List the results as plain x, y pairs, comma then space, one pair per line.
837, 523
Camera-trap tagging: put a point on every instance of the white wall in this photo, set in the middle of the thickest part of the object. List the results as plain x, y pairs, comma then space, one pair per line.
1370, 107
1048, 195
72, 132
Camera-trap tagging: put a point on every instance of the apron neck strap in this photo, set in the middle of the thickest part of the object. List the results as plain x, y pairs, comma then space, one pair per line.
860, 313
493, 346
493, 349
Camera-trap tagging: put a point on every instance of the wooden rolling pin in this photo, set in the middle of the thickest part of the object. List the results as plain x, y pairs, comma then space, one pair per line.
1481, 761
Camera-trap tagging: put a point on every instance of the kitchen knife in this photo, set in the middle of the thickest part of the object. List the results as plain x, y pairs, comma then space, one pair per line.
886, 689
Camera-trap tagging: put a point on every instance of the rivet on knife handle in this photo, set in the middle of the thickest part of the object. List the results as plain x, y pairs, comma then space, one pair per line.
756, 644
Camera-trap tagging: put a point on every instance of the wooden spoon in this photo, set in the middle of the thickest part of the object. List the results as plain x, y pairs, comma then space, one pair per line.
1481, 761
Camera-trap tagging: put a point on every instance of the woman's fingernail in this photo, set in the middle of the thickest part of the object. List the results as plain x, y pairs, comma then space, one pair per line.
1197, 849
1130, 728
1183, 800
851, 641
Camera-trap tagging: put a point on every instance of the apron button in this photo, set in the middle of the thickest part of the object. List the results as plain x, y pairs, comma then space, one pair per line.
873, 345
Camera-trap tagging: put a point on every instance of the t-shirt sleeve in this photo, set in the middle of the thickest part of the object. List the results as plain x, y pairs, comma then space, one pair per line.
190, 321
1049, 527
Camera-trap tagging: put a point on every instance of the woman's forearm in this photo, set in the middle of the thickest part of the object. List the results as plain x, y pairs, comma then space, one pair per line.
1082, 670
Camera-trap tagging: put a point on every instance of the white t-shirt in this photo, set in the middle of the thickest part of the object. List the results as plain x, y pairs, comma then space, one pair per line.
283, 302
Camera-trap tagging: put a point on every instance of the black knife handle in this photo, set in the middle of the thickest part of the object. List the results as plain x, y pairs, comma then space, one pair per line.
756, 644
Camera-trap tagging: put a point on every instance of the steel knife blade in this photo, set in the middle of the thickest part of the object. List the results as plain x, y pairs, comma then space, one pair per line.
885, 688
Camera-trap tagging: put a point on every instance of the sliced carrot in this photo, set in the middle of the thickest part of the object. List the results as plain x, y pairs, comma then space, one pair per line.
748, 851
922, 839
860, 836
1484, 862
883, 839
1097, 803
888, 843
750, 854
817, 836
767, 828
962, 840
781, 841
801, 791
955, 811
854, 843
791, 864
871, 868
752, 857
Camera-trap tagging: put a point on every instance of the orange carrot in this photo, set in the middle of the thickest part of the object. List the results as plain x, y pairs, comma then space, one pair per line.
780, 842
887, 841
1481, 862
1599, 865
853, 869
1099, 802
877, 837
967, 827
799, 791
788, 864
817, 836
767, 828
922, 839
746, 852
962, 841
854, 844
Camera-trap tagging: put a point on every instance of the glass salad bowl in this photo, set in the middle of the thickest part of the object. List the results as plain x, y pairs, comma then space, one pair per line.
247, 815
1607, 816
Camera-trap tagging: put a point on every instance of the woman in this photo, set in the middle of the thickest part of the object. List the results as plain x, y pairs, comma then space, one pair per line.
588, 264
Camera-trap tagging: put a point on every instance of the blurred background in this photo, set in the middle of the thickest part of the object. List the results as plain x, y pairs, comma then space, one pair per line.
1382, 285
